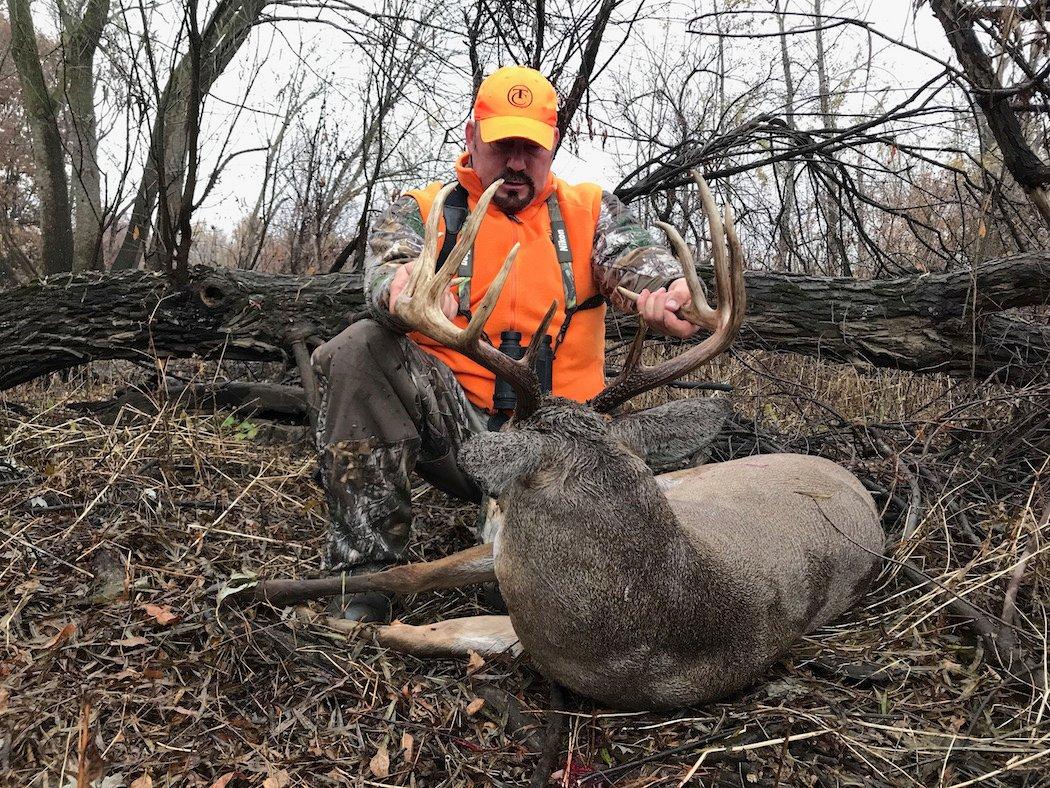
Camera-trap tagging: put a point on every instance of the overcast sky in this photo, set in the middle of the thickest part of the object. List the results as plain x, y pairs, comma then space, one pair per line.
329, 57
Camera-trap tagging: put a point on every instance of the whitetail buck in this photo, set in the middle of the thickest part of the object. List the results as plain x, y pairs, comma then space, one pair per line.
637, 590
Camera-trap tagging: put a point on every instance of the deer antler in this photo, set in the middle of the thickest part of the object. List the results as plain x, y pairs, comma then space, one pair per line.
723, 321
419, 304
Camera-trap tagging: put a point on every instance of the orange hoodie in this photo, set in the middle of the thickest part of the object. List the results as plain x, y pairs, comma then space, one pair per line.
535, 280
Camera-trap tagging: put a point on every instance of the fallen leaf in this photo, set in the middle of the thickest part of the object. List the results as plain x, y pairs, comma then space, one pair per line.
380, 763
28, 587
63, 635
408, 744
131, 642
239, 581
223, 781
475, 706
161, 614
475, 663
279, 780
145, 781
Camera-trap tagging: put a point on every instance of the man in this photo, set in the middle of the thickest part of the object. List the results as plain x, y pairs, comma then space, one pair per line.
394, 403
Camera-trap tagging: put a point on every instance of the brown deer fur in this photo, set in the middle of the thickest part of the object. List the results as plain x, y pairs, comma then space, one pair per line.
643, 591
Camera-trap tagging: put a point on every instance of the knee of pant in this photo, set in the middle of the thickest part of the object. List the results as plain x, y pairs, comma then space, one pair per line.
355, 349
367, 360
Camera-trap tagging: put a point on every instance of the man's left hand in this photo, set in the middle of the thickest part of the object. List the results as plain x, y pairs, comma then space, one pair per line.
658, 309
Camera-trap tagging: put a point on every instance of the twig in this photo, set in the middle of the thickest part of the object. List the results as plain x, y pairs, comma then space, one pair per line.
552, 736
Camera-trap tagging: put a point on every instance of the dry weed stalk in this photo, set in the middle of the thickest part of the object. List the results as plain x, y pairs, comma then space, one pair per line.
116, 537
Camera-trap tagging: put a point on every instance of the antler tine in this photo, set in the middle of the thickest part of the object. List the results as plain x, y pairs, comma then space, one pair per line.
719, 254
424, 267
537, 336
467, 234
724, 322
698, 311
738, 293
488, 302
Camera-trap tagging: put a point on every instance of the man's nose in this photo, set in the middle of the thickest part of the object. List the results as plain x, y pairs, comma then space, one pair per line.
516, 159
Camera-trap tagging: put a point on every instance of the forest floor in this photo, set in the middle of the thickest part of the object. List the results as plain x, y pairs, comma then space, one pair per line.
118, 667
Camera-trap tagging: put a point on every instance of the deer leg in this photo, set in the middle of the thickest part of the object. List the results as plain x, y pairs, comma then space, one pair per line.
467, 567
457, 637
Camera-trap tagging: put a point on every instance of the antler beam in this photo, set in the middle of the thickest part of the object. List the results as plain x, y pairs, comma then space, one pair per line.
724, 321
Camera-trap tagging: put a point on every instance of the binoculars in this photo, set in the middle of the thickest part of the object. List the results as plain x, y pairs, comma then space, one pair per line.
504, 397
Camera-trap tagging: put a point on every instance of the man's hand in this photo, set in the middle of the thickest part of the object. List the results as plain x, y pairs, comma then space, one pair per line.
658, 309
449, 304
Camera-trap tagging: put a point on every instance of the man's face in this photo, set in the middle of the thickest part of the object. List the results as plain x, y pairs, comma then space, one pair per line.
521, 163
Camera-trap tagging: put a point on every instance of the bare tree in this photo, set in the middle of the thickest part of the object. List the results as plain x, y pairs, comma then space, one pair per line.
43, 111
165, 168
1001, 103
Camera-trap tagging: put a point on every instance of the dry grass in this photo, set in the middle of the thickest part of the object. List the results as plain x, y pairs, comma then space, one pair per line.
116, 665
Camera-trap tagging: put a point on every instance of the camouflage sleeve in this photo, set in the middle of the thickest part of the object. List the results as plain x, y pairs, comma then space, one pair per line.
625, 255
396, 238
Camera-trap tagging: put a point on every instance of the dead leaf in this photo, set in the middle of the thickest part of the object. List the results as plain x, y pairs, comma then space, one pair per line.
63, 635
380, 763
28, 587
161, 614
223, 781
145, 781
279, 780
475, 663
408, 744
131, 642
475, 706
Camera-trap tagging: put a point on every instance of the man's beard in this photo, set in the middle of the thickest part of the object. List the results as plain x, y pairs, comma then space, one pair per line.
514, 203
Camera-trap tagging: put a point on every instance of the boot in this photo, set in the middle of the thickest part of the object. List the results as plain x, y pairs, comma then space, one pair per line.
365, 607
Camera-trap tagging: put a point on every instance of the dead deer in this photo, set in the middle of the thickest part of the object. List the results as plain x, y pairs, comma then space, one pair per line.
636, 590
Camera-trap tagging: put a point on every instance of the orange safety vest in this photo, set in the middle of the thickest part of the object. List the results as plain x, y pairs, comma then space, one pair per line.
534, 281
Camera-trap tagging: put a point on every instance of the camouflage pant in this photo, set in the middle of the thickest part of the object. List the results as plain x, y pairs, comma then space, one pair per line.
387, 409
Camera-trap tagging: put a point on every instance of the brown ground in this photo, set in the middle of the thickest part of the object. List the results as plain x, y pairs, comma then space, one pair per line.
117, 668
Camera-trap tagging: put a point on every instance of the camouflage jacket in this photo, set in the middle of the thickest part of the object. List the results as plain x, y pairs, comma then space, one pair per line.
624, 254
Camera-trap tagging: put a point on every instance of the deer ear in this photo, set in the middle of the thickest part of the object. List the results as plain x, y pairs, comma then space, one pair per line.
497, 459
674, 435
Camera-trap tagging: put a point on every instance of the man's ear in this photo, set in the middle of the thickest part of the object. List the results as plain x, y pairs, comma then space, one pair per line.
498, 459
674, 435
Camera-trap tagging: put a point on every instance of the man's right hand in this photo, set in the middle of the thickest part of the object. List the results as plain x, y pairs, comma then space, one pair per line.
449, 304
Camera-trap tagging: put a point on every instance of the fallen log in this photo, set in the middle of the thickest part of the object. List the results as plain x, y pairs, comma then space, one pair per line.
259, 400
947, 322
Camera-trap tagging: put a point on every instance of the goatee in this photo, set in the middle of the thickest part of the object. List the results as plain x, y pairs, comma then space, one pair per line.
514, 202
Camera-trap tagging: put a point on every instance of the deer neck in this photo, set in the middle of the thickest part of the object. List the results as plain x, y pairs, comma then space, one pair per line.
606, 528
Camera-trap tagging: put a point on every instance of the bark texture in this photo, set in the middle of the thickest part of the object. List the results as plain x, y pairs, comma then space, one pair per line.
949, 323
1030, 172
42, 111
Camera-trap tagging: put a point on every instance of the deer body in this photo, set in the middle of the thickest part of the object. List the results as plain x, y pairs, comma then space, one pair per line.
644, 591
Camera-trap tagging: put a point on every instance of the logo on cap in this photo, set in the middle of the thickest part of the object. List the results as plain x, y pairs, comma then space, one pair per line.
520, 96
